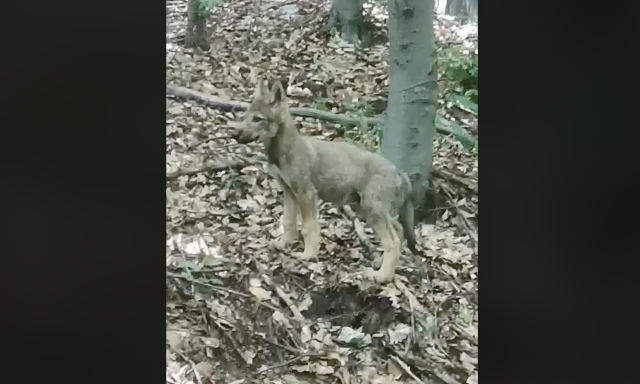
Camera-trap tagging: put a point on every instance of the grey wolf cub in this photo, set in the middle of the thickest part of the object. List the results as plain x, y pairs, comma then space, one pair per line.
337, 172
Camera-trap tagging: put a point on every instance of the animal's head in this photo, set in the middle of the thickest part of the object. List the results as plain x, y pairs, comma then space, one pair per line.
268, 110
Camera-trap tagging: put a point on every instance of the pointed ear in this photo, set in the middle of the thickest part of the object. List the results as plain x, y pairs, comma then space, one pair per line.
261, 89
278, 94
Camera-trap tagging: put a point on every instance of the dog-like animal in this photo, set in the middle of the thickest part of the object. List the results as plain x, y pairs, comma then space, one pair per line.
307, 169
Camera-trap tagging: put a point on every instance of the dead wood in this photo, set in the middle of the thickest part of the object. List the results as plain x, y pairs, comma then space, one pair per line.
206, 168
455, 179
233, 106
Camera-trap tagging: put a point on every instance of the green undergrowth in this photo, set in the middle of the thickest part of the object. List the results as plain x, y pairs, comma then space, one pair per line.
458, 69
371, 137
458, 65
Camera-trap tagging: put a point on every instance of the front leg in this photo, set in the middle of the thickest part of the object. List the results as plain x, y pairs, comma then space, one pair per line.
310, 227
289, 218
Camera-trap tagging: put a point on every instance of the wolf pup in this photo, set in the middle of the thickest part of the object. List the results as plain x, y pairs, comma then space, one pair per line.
307, 169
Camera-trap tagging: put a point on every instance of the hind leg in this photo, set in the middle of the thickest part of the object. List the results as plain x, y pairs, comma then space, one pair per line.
289, 217
377, 263
391, 246
376, 200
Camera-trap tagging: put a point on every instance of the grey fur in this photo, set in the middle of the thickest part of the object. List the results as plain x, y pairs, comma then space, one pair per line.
337, 172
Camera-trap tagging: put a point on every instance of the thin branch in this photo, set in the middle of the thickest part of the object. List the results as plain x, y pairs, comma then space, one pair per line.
294, 309
192, 364
406, 368
288, 362
214, 287
440, 375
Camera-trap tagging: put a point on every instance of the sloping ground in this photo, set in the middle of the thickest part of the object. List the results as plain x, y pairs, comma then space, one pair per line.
238, 312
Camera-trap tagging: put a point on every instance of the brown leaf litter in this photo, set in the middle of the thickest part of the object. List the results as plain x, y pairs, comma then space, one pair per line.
239, 312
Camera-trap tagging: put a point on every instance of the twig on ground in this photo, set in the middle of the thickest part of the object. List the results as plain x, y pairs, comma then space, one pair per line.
454, 179
405, 291
414, 340
406, 368
290, 361
442, 376
231, 340
199, 143
285, 347
215, 287
296, 312
279, 5
192, 364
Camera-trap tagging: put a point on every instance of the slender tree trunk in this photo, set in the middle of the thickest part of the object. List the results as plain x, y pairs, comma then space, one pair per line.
463, 9
346, 16
472, 10
411, 110
456, 8
196, 34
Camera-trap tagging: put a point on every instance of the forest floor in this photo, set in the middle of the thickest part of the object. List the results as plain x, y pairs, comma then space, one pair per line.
237, 312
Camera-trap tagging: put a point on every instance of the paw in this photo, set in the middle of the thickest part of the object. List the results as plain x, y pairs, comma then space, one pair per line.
379, 276
303, 255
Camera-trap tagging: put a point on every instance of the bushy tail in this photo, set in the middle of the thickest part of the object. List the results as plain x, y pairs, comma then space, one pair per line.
406, 214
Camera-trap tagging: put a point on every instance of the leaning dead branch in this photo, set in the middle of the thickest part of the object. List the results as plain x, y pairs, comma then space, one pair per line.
239, 106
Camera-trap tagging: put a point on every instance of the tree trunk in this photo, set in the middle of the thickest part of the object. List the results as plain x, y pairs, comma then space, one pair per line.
411, 110
472, 10
196, 34
462, 9
346, 16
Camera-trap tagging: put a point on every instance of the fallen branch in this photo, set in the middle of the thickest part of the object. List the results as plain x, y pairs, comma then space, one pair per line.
296, 312
282, 365
208, 285
192, 364
206, 168
406, 368
425, 366
278, 5
455, 179
233, 106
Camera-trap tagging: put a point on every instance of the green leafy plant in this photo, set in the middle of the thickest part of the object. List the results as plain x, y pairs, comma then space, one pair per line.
464, 102
320, 103
459, 65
